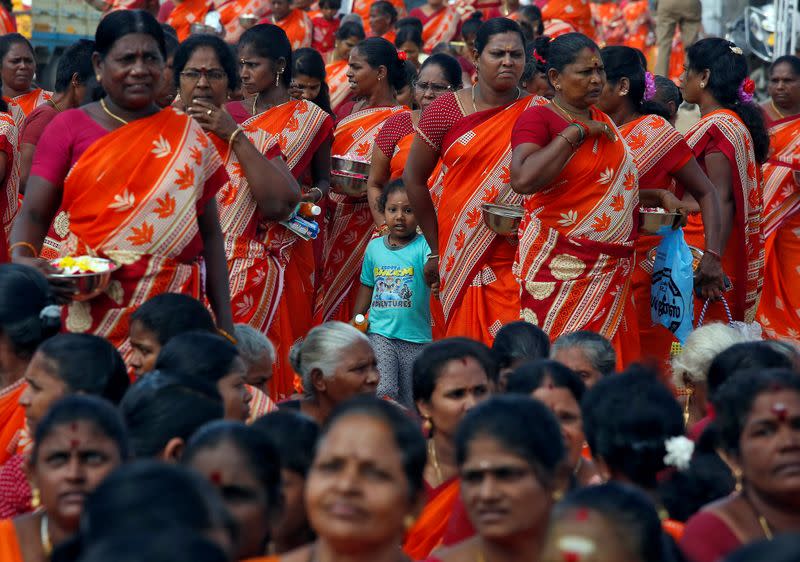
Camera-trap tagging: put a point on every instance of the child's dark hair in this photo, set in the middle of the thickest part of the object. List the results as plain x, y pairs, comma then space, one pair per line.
332, 4
395, 186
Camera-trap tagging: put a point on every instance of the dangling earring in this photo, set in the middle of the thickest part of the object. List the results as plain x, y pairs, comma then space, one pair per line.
36, 498
278, 76
427, 425
737, 474
689, 393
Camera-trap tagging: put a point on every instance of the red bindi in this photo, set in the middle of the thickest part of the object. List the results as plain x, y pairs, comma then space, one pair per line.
74, 427
582, 514
74, 443
215, 477
780, 411
571, 556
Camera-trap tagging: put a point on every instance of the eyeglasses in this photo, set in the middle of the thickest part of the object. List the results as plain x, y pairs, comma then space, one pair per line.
435, 88
213, 75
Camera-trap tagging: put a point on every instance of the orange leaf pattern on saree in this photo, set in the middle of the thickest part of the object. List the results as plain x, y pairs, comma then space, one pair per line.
166, 206
142, 235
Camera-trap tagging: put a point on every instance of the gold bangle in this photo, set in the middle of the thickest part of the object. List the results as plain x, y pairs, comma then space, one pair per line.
234, 133
321, 195
27, 245
227, 336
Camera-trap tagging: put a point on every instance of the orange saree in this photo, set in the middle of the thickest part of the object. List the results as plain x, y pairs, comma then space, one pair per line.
141, 210
30, 101
440, 27
7, 22
577, 13
338, 85
230, 11
10, 550
349, 227
477, 287
429, 530
297, 26
361, 7
609, 22
779, 309
576, 246
743, 257
271, 270
12, 419
185, 13
9, 202
637, 22
658, 151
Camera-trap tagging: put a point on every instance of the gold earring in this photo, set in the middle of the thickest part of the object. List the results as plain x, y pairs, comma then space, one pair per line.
558, 87
558, 495
689, 392
702, 85
97, 78
36, 498
409, 521
427, 425
737, 474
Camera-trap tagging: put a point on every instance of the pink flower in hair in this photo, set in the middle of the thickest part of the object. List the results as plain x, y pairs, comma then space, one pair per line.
649, 86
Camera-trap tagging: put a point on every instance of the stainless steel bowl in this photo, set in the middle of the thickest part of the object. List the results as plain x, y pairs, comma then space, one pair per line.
697, 255
352, 185
87, 285
248, 20
502, 219
201, 29
650, 222
349, 166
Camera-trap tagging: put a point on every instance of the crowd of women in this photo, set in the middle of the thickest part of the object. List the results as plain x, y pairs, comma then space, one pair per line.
295, 360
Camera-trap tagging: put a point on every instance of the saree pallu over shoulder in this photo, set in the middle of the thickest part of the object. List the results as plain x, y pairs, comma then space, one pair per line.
338, 85
12, 419
10, 200
781, 190
350, 224
440, 27
744, 255
10, 550
576, 242
144, 216
429, 530
475, 161
30, 101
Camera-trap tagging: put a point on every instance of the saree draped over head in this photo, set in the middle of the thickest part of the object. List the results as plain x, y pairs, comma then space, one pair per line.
271, 269
779, 309
477, 290
350, 226
576, 245
140, 209
659, 151
743, 257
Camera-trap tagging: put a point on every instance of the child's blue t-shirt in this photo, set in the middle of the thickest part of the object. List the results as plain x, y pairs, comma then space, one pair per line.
400, 306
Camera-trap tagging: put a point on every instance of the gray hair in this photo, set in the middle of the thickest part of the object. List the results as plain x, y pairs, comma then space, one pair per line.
322, 349
699, 351
252, 344
598, 350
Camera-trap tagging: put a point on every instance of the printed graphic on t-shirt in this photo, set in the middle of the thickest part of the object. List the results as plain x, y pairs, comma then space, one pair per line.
392, 287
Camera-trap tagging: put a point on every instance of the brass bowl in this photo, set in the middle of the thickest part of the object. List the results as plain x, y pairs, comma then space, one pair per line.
697, 255
650, 222
502, 219
352, 185
349, 166
87, 285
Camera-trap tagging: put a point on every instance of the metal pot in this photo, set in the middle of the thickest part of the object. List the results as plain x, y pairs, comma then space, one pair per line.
502, 219
349, 166
352, 185
650, 222
88, 285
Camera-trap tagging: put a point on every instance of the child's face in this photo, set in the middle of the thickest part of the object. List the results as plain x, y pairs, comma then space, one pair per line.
329, 13
400, 216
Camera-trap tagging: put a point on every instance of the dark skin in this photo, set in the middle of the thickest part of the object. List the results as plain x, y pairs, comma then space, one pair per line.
18, 69
718, 168
130, 74
275, 190
616, 102
262, 91
500, 65
784, 91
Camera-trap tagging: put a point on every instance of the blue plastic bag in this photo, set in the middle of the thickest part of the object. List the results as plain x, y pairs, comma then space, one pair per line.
671, 295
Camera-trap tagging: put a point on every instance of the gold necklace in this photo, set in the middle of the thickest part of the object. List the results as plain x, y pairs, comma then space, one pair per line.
112, 115
776, 110
568, 114
435, 461
255, 101
762, 521
44, 535
475, 107
52, 102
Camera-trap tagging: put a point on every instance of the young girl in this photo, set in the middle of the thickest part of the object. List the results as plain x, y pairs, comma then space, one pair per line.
394, 293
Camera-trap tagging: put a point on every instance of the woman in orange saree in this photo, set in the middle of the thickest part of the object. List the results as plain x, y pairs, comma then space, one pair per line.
7, 22
439, 23
666, 168
9, 176
779, 309
469, 131
17, 68
577, 13
375, 73
363, 7
155, 216
576, 239
185, 13
730, 142
293, 21
347, 37
277, 296
609, 22
230, 10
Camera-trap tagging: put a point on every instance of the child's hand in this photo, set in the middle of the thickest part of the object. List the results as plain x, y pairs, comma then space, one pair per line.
435, 290
431, 271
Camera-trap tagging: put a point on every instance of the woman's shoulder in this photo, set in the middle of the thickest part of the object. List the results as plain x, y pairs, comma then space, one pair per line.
465, 551
717, 520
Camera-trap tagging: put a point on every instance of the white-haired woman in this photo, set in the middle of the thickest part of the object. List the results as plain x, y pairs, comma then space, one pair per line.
690, 368
258, 355
335, 362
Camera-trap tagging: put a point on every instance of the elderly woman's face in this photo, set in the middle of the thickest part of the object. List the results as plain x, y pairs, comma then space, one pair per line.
357, 492
503, 496
769, 446
203, 78
132, 71
575, 358
356, 373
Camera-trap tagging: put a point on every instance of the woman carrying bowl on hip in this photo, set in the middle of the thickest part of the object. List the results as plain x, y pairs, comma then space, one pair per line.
470, 132
666, 167
576, 240
376, 74
279, 303
152, 211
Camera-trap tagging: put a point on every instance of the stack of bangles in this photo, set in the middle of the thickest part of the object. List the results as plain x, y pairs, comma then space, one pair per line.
583, 130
